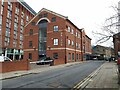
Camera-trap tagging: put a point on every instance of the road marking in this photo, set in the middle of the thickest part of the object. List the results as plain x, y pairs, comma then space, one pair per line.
87, 79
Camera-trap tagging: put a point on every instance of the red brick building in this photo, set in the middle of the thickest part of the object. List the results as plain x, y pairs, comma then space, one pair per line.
116, 41
14, 15
50, 34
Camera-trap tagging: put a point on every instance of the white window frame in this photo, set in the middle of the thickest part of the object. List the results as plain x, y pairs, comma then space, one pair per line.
56, 28
55, 41
68, 41
69, 28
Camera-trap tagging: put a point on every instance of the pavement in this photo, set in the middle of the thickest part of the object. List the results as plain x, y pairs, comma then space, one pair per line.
42, 68
104, 78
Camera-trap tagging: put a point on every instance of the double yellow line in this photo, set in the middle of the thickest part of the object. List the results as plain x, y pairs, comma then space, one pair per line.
85, 81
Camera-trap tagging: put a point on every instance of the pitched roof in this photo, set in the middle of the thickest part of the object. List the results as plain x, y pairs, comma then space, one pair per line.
44, 9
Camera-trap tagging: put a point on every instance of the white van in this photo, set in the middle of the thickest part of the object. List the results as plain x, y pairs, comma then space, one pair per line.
3, 59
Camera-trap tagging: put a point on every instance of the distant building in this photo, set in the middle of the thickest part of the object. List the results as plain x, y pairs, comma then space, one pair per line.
14, 15
50, 34
102, 52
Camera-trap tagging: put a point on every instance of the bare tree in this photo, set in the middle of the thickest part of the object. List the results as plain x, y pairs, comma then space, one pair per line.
109, 28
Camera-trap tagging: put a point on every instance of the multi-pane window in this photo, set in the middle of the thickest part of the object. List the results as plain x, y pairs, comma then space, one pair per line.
55, 41
21, 29
30, 44
27, 18
72, 32
55, 28
2, 2
68, 42
79, 46
7, 32
45, 15
69, 55
76, 33
72, 56
14, 43
21, 37
22, 15
15, 26
9, 14
7, 41
22, 22
16, 18
69, 28
1, 10
72, 43
54, 19
55, 55
0, 20
15, 34
21, 44
76, 45
17, 10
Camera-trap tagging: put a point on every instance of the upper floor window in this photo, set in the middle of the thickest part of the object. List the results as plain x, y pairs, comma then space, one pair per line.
2, 2
72, 31
55, 41
76, 33
17, 10
54, 19
68, 42
55, 28
1, 10
27, 18
69, 29
30, 43
45, 15
33, 23
31, 32
72, 43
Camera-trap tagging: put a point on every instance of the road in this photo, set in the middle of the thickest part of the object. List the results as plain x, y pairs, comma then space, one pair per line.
66, 77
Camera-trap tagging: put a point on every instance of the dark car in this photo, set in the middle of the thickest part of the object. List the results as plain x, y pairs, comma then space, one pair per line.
46, 60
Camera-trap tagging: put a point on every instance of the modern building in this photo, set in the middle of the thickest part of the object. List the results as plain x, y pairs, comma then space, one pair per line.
14, 15
102, 52
50, 34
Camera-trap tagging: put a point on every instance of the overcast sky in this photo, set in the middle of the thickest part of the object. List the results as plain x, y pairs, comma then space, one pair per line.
87, 14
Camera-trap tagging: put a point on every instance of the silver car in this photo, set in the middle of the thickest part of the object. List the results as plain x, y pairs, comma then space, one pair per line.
46, 60
3, 59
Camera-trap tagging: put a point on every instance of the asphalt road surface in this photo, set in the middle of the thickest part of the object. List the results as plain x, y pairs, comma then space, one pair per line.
65, 77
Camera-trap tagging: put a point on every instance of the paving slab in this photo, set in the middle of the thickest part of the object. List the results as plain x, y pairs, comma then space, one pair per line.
107, 77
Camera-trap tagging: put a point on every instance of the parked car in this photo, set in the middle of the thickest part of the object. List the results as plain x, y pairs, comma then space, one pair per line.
3, 59
46, 60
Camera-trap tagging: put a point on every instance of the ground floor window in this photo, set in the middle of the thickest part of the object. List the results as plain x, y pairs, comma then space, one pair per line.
30, 56
77, 56
69, 54
55, 55
73, 56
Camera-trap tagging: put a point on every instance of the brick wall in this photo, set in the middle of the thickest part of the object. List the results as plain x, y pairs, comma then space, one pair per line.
14, 66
